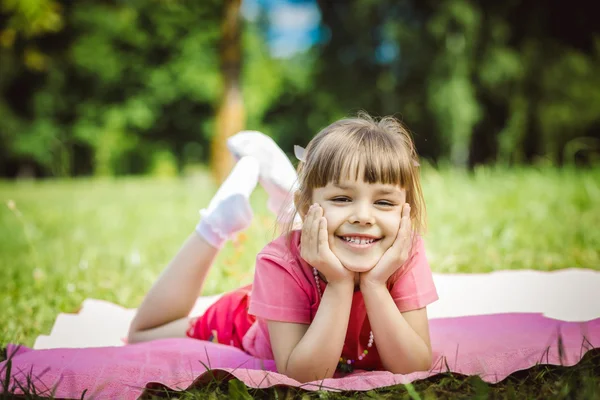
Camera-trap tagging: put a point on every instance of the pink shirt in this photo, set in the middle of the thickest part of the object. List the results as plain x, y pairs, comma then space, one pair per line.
284, 289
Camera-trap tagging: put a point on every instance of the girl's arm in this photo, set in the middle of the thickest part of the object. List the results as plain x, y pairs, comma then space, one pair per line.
164, 311
174, 329
402, 338
311, 352
308, 353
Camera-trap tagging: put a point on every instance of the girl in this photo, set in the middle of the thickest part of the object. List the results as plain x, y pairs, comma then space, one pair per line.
348, 290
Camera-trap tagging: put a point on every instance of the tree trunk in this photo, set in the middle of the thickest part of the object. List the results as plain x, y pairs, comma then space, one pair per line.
231, 116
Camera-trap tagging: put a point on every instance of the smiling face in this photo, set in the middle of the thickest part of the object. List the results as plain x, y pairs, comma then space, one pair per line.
361, 172
362, 220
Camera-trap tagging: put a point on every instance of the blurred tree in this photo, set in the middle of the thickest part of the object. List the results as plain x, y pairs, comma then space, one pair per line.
377, 56
129, 88
230, 114
455, 25
537, 79
30, 18
151, 70
112, 88
22, 22
124, 84
475, 81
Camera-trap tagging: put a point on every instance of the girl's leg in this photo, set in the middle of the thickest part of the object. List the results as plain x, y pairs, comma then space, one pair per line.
277, 174
164, 311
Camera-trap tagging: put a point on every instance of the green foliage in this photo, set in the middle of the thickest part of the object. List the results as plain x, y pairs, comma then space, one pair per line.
92, 87
573, 101
164, 164
112, 83
238, 391
262, 78
33, 17
477, 82
451, 91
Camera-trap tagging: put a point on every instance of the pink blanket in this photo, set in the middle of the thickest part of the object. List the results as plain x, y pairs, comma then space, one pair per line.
491, 346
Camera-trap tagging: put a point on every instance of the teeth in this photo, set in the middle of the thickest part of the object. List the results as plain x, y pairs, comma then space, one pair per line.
358, 240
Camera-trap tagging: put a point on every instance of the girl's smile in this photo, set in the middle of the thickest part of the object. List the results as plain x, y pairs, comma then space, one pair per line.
358, 242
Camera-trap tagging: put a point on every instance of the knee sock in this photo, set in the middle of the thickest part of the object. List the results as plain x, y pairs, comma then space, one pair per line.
229, 210
277, 174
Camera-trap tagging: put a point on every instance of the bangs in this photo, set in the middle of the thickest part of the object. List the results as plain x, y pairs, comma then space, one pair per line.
365, 155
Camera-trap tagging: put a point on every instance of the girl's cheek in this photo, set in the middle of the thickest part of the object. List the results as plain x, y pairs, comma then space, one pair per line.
330, 226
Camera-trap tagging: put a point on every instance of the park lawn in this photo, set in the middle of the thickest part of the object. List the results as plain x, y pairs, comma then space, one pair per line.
62, 241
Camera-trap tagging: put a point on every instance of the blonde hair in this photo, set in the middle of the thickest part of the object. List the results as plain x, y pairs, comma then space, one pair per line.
383, 149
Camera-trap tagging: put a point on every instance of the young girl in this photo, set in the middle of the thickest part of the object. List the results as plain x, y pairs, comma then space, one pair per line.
347, 291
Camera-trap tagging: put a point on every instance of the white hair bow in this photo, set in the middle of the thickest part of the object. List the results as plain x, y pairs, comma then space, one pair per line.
299, 153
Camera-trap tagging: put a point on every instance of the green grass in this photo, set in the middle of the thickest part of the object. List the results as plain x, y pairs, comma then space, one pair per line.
64, 241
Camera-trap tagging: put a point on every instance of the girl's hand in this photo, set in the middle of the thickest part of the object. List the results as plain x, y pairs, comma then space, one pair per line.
395, 256
315, 248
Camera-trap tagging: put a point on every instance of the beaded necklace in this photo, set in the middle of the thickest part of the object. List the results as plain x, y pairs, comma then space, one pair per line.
345, 365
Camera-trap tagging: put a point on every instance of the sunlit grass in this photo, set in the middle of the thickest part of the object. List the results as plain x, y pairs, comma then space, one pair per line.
519, 219
64, 241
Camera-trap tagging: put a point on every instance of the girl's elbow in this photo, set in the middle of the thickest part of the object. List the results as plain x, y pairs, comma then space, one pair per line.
304, 375
421, 364
426, 362
308, 377
132, 337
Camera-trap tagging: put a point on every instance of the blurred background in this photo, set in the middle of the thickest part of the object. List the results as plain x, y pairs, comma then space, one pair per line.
108, 88
119, 111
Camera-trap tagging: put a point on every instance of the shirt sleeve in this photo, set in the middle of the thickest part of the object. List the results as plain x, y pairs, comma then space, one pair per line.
413, 286
279, 294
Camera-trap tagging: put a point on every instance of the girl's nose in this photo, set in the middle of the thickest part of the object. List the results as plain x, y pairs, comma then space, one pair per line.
362, 214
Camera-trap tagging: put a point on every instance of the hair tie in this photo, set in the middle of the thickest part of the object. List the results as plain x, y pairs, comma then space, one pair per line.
299, 153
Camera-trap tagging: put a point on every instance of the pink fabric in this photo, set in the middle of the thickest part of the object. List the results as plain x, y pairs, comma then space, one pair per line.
491, 346
284, 289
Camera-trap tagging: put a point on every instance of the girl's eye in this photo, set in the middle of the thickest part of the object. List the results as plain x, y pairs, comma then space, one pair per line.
385, 203
340, 199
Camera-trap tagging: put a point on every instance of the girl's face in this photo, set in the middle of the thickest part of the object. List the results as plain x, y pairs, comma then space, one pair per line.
362, 220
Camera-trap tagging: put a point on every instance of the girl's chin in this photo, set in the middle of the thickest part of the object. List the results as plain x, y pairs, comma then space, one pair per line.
358, 268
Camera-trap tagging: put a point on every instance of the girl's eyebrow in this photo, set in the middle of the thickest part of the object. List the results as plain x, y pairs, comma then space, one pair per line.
343, 187
386, 192
383, 191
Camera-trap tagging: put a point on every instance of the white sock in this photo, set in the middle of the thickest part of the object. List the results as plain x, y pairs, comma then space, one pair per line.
229, 210
277, 174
